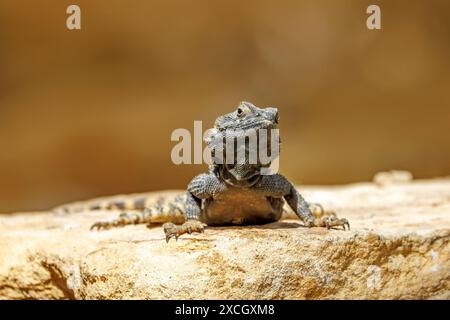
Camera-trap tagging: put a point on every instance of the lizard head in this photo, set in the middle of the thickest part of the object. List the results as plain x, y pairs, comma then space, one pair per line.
248, 116
246, 120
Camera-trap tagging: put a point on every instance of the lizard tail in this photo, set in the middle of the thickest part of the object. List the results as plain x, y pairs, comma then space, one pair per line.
137, 208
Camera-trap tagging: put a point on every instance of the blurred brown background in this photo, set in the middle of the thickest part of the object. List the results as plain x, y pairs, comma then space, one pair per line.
90, 112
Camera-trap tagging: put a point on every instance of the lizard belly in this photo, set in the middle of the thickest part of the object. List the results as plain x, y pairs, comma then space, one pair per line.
241, 207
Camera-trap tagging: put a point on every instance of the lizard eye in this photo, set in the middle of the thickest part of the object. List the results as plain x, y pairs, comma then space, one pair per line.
240, 112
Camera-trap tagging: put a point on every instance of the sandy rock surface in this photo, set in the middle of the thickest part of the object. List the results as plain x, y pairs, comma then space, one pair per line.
398, 248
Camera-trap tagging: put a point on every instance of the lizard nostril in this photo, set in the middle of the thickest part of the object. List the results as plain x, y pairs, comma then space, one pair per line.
275, 116
271, 114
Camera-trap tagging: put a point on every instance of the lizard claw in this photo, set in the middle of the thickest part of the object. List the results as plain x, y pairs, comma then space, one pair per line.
309, 223
102, 225
170, 230
331, 222
346, 223
173, 231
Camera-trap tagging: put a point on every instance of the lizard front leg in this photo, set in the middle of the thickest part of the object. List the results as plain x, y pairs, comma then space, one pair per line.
192, 223
312, 215
202, 187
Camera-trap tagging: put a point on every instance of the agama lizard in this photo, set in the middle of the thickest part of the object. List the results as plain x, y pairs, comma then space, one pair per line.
230, 194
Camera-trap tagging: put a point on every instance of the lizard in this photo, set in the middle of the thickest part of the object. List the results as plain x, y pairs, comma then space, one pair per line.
229, 194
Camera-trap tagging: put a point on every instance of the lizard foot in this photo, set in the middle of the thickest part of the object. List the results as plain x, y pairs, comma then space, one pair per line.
325, 218
332, 221
102, 225
124, 219
171, 230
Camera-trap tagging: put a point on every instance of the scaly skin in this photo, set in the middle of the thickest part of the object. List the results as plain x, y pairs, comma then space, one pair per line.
230, 194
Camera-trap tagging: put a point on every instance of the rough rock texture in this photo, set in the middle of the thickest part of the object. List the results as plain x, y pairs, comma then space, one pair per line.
398, 248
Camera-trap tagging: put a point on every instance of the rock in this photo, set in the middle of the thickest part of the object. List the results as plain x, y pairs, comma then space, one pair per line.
398, 248
391, 177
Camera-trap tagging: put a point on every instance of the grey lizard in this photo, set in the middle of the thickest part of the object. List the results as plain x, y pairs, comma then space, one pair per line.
229, 194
